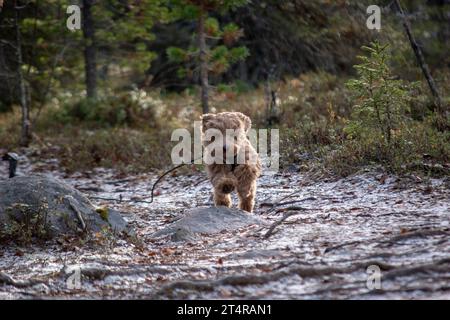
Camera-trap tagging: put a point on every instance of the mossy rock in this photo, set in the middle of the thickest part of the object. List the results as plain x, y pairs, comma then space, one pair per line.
46, 207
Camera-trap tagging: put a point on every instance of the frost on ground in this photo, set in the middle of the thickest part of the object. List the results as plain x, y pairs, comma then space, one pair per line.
326, 235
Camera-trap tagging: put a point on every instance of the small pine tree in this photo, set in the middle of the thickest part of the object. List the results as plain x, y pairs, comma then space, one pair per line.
214, 52
382, 99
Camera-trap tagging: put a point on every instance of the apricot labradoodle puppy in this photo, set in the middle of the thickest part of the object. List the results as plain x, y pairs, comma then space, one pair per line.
235, 164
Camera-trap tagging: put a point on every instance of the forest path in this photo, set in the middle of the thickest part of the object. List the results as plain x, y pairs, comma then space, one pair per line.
399, 225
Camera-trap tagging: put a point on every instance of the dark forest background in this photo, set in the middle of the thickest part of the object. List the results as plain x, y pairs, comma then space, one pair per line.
111, 93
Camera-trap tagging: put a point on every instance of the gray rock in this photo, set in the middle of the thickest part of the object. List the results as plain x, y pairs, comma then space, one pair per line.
207, 220
54, 204
183, 235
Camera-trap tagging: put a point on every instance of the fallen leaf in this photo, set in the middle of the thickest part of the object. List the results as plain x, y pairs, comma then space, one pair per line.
18, 253
383, 178
167, 251
225, 293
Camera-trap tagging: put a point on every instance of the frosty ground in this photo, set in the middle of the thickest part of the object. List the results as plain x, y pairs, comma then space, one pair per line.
335, 230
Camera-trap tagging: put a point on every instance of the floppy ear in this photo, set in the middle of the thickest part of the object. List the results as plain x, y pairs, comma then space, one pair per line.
246, 120
205, 119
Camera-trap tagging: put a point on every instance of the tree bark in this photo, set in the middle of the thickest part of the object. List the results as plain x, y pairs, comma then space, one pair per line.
203, 63
90, 50
25, 137
420, 59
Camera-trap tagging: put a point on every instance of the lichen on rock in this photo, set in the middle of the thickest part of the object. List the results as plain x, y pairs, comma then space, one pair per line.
43, 207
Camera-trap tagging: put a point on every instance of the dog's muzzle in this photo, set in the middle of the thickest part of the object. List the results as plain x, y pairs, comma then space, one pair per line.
227, 185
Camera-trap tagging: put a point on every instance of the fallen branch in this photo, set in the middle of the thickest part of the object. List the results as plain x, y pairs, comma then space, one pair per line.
98, 273
283, 198
381, 240
275, 204
436, 266
72, 205
152, 190
120, 199
200, 182
285, 216
341, 245
251, 279
389, 272
416, 234
6, 279
292, 208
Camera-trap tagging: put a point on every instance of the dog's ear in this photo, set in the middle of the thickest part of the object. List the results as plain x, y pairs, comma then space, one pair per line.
246, 120
205, 119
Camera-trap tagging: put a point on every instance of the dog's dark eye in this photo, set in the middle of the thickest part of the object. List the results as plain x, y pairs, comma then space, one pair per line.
213, 138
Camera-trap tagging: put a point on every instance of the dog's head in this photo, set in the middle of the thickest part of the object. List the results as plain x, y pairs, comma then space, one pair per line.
233, 128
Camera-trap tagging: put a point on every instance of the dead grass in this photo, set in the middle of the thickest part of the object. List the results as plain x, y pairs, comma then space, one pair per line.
313, 109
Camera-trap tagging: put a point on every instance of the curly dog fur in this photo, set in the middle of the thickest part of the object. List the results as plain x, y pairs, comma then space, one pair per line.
239, 166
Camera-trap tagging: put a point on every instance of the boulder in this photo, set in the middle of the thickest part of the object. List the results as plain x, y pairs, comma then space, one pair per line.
44, 204
208, 220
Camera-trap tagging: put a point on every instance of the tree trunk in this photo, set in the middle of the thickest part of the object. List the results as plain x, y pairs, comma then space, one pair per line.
203, 62
90, 50
25, 137
420, 59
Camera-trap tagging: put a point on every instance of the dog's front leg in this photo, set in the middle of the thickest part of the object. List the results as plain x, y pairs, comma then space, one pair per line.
246, 185
224, 184
221, 199
246, 193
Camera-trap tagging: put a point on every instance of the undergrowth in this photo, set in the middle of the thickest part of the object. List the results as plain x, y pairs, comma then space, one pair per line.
325, 121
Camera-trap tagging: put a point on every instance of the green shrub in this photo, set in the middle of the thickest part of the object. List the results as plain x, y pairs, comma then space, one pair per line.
123, 149
385, 126
414, 145
382, 101
109, 111
24, 224
381, 129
